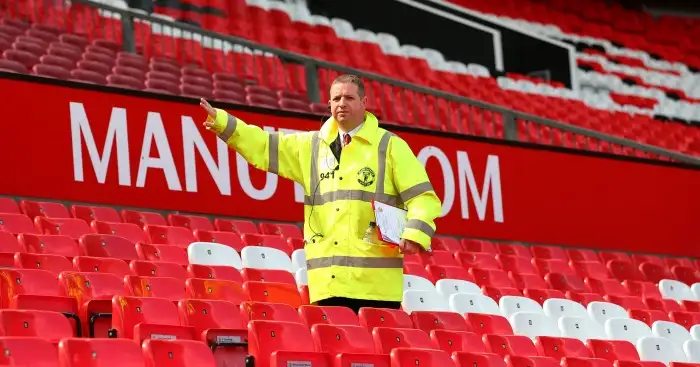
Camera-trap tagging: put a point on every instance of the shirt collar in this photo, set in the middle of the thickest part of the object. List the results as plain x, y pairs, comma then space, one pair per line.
367, 131
351, 132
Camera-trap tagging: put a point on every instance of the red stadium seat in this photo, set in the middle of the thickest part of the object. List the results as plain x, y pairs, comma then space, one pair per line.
139, 318
559, 348
158, 269
129, 231
159, 287
227, 238
383, 317
442, 258
8, 205
220, 325
44, 209
467, 359
236, 226
220, 272
531, 361
166, 235
514, 345
438, 272
584, 298
216, 289
623, 270
497, 293
474, 259
566, 282
48, 325
590, 269
643, 289
191, 222
516, 264
626, 302
548, 252
541, 295
81, 352
105, 245
613, 350
418, 270
606, 286
347, 345
270, 311
273, 292
169, 253
648, 316
101, 265
606, 256
280, 229
48, 244
513, 249
478, 246
177, 353
54, 264
442, 243
90, 213
27, 351
654, 272
686, 275
439, 320
70, 227
334, 315
16, 223
268, 275
142, 218
274, 343
420, 357
522, 281
386, 339
267, 240
457, 341
93, 294
578, 255
545, 266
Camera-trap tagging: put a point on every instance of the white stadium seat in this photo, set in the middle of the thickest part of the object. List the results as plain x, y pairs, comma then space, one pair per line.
298, 259
619, 328
301, 277
421, 300
691, 348
260, 257
463, 303
533, 324
581, 328
674, 289
558, 307
602, 311
670, 330
210, 253
414, 282
657, 349
509, 305
448, 287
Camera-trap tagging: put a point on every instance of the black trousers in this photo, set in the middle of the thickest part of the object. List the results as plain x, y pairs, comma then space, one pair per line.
355, 304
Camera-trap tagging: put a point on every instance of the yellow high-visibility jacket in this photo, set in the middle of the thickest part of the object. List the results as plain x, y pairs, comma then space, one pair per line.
376, 165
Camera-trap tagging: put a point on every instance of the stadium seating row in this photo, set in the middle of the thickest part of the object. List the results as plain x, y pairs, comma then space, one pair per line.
472, 81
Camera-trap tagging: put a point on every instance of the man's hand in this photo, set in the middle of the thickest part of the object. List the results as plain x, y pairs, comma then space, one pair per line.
208, 123
408, 247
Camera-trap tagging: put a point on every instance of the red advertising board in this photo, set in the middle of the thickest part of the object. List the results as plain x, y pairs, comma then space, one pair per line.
97, 146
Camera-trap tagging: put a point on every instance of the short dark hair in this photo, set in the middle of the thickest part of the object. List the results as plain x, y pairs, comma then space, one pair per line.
354, 79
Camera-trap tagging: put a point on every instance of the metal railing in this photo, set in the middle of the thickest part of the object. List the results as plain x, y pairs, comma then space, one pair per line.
393, 100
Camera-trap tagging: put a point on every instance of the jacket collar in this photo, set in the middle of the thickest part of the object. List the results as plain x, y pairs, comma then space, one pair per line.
368, 132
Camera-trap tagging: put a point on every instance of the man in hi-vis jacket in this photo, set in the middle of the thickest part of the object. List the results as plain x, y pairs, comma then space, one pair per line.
343, 167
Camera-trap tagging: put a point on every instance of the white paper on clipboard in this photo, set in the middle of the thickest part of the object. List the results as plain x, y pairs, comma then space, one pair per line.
390, 220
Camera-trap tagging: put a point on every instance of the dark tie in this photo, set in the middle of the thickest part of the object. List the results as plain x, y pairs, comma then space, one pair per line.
346, 139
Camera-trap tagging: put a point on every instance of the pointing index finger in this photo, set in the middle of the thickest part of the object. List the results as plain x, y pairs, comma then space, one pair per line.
210, 110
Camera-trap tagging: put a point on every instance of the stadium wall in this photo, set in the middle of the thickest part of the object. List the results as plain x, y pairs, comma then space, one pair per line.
103, 145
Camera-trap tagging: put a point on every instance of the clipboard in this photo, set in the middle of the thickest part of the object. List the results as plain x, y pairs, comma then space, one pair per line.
390, 221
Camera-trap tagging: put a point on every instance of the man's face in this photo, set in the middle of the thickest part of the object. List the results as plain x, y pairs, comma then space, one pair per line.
346, 104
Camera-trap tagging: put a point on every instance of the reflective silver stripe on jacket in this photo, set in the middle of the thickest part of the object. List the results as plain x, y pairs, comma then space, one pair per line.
421, 226
416, 190
273, 152
366, 196
355, 262
229, 129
